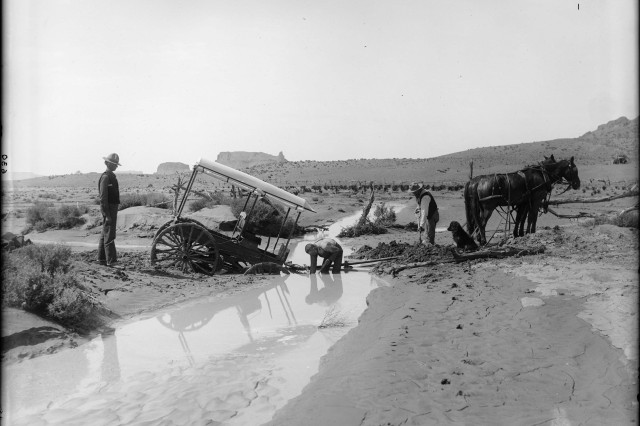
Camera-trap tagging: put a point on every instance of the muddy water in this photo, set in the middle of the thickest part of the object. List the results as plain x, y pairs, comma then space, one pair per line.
233, 359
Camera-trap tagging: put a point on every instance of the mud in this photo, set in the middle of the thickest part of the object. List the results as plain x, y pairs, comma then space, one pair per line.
406, 252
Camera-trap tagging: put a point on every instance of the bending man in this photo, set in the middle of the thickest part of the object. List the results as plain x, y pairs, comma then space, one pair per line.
329, 250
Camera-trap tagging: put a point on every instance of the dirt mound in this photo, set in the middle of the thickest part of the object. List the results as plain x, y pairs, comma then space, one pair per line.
142, 218
408, 253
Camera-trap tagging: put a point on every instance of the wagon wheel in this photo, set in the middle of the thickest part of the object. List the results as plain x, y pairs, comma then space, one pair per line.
187, 246
174, 221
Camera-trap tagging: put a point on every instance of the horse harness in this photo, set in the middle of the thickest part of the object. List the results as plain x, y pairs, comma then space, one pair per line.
549, 181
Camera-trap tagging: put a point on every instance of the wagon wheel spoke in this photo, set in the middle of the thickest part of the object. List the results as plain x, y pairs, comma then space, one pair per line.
170, 250
169, 240
165, 255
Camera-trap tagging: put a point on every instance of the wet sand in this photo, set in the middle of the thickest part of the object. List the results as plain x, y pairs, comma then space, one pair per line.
542, 340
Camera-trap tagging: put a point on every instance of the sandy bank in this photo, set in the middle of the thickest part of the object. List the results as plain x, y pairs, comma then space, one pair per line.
481, 343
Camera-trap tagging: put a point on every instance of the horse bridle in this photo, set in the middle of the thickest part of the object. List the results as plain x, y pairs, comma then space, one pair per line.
570, 180
553, 180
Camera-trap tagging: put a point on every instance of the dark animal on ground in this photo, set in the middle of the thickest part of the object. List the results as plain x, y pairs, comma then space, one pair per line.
11, 241
485, 193
462, 239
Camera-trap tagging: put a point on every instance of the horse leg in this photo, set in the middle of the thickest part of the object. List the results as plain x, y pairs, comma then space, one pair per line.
474, 222
532, 218
485, 214
521, 214
469, 206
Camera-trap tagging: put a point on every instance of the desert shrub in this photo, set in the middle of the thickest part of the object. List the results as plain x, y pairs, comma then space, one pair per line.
148, 199
217, 198
199, 204
367, 228
383, 215
43, 216
383, 218
36, 212
70, 305
49, 259
333, 318
627, 220
31, 290
40, 279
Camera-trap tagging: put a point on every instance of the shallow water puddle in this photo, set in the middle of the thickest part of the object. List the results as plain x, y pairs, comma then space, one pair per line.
233, 359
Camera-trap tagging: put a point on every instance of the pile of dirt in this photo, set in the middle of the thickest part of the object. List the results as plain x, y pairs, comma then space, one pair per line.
407, 253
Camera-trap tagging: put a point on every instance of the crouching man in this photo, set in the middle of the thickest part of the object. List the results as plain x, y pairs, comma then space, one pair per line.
329, 250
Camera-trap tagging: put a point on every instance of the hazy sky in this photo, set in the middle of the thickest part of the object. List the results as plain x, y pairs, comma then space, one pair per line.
169, 80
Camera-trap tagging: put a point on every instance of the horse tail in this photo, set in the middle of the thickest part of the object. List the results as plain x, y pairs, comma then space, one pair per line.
469, 206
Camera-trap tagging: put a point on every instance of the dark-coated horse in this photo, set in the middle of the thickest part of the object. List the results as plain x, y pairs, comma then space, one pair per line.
525, 211
483, 194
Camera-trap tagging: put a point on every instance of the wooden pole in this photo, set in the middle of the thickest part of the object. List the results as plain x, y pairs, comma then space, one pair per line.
362, 262
367, 209
593, 200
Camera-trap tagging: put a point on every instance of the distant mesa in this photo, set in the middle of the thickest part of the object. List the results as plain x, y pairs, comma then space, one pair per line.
170, 168
245, 160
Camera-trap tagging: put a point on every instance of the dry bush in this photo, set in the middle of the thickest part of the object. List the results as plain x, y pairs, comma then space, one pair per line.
383, 215
40, 279
43, 216
383, 218
627, 220
148, 199
333, 318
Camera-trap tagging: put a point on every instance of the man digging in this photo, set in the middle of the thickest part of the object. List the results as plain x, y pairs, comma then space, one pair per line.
427, 213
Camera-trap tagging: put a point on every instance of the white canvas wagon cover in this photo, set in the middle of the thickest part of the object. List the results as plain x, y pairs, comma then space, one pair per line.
248, 182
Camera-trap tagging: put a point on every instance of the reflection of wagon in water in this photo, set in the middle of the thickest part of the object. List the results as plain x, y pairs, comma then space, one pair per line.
187, 244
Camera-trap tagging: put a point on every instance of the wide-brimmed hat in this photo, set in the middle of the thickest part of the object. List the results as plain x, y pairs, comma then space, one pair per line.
113, 158
414, 187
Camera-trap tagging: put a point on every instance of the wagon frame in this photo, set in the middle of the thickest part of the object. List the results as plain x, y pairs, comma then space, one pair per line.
188, 245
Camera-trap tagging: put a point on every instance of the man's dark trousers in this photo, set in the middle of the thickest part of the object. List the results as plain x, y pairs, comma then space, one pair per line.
107, 245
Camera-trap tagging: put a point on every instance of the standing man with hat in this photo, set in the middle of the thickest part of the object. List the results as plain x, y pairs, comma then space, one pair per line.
427, 212
109, 201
